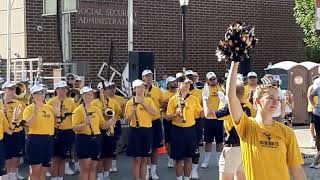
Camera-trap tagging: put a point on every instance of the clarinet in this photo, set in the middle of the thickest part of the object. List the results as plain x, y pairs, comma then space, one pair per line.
88, 114
135, 112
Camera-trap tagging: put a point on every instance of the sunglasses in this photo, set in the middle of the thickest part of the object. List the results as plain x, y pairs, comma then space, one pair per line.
212, 79
252, 77
70, 78
40, 92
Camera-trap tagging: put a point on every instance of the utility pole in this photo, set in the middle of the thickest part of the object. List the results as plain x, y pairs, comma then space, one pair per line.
8, 38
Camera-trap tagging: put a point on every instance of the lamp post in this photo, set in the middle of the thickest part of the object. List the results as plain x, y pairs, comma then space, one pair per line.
184, 5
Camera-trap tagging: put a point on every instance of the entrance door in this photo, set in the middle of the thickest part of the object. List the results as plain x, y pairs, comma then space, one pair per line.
298, 85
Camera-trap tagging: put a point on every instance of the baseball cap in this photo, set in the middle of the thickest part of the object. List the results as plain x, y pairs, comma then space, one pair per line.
170, 79
60, 84
210, 75
85, 90
145, 72
189, 72
37, 88
8, 84
100, 85
252, 74
137, 83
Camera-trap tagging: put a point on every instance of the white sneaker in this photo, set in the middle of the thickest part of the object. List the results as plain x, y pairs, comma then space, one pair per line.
194, 174
76, 167
68, 170
19, 177
317, 166
170, 163
148, 174
311, 165
48, 174
113, 169
205, 164
154, 176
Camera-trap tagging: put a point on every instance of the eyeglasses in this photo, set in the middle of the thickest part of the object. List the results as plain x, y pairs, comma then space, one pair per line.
212, 79
252, 77
70, 79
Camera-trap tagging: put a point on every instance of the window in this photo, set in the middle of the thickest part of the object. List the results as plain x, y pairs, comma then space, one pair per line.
50, 6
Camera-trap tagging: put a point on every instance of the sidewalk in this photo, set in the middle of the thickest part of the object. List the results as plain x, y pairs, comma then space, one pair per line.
303, 137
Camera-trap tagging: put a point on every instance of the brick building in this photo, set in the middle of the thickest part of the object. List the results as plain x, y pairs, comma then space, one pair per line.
159, 31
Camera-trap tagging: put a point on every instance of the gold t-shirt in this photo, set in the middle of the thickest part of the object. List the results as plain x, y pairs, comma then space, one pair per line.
267, 151
190, 112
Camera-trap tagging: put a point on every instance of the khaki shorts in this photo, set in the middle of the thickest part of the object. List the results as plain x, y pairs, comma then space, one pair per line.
230, 160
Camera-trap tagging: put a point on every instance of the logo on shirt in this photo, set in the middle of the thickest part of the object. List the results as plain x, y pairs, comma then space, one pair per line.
45, 115
268, 143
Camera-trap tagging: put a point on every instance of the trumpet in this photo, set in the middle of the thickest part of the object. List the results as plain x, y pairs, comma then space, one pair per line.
135, 113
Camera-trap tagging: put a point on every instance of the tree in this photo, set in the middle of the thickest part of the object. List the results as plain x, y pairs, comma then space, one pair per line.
305, 14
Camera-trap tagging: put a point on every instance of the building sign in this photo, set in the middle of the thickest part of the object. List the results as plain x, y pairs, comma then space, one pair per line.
103, 16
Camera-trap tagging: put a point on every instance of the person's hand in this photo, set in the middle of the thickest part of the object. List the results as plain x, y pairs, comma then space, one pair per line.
88, 119
17, 112
57, 110
178, 112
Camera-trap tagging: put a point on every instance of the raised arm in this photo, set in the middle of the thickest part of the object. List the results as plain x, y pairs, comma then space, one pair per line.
233, 101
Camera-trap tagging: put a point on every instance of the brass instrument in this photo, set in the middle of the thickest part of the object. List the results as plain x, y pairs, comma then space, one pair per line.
181, 103
181, 106
75, 94
107, 112
135, 112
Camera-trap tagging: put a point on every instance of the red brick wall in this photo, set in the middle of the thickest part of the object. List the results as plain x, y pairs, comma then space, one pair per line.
280, 38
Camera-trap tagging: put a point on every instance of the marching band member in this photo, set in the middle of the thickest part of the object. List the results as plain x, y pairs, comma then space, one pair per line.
111, 94
213, 128
199, 124
8, 128
109, 142
249, 89
64, 136
183, 109
263, 137
140, 111
87, 121
40, 120
167, 124
156, 95
230, 163
13, 143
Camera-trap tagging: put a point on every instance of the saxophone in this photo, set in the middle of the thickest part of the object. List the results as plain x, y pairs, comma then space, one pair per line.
135, 112
181, 106
108, 113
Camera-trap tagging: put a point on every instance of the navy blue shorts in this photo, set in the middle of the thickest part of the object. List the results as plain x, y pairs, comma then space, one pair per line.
108, 145
39, 149
184, 142
213, 131
88, 146
2, 159
63, 142
157, 134
14, 144
139, 142
199, 129
167, 130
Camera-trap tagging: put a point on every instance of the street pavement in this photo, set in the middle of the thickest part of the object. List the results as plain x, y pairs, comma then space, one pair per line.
124, 163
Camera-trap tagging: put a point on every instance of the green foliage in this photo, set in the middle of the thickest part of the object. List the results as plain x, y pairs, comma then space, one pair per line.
305, 14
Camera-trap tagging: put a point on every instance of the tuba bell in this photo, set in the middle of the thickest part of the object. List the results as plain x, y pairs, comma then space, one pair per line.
75, 94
